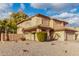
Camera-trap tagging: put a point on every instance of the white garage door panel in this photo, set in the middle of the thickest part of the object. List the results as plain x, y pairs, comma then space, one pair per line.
32, 36
70, 36
27, 36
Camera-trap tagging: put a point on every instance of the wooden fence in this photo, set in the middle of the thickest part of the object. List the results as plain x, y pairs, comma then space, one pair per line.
11, 37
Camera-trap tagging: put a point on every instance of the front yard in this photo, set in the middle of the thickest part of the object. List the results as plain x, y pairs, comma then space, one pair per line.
32, 48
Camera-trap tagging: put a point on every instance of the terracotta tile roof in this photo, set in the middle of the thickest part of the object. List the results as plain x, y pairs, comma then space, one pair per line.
70, 28
34, 27
40, 15
23, 21
66, 29
60, 20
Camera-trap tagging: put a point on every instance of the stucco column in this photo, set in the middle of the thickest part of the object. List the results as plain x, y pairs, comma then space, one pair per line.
48, 34
38, 30
36, 39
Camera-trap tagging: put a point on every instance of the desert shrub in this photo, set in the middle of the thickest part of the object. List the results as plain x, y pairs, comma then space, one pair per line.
42, 36
25, 50
23, 39
65, 51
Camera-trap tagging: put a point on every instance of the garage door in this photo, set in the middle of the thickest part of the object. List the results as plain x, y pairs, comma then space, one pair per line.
30, 36
70, 36
27, 36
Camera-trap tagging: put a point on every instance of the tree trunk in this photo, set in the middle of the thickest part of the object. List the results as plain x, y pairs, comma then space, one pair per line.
7, 36
0, 36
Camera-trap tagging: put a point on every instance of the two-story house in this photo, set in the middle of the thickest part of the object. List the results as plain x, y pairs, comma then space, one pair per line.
54, 28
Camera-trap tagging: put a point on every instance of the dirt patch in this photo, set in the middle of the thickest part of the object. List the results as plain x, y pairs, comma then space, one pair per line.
52, 44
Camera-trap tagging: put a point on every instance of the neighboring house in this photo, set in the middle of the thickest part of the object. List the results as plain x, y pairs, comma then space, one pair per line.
54, 28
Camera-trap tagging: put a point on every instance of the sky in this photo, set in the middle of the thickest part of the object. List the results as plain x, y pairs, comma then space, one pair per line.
63, 11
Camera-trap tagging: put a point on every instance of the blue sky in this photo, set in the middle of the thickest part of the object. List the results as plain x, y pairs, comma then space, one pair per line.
28, 9
63, 11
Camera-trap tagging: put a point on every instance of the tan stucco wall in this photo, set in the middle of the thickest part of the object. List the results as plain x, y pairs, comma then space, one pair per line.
36, 21
45, 22
30, 23
61, 35
24, 24
51, 23
58, 25
19, 31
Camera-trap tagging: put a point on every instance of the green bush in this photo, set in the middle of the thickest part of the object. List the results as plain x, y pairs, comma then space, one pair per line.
42, 36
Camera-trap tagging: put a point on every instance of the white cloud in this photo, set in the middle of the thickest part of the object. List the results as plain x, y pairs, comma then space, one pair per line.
40, 5
53, 5
59, 5
43, 5
5, 10
73, 10
66, 15
72, 18
36, 5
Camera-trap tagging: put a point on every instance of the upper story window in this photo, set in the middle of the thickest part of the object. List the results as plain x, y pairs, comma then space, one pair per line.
36, 21
45, 21
58, 24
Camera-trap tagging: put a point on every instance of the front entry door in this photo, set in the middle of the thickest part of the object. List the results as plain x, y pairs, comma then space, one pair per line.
33, 36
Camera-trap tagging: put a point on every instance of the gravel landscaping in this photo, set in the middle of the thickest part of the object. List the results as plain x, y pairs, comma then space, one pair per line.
33, 48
